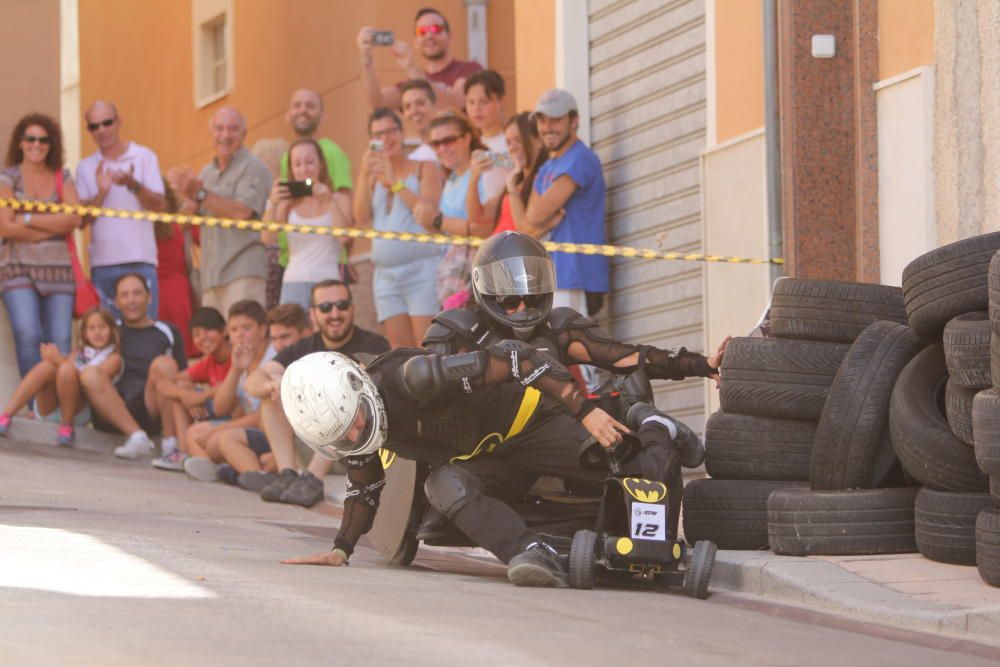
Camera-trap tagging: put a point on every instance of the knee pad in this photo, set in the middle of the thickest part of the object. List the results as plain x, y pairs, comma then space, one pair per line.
450, 488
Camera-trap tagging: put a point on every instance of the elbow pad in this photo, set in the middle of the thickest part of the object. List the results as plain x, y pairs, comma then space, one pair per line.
527, 364
429, 376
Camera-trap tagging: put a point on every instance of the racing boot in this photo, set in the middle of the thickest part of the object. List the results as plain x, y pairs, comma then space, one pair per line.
538, 565
644, 416
434, 526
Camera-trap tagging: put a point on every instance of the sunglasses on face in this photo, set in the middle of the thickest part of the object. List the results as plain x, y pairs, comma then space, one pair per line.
444, 141
385, 133
327, 306
512, 301
433, 29
93, 127
32, 139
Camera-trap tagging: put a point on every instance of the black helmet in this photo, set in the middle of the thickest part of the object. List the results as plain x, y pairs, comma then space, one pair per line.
509, 265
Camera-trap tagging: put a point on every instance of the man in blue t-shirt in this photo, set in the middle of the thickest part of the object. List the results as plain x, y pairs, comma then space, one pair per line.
567, 201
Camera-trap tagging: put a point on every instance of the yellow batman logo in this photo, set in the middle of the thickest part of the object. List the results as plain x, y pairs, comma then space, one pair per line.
387, 458
645, 490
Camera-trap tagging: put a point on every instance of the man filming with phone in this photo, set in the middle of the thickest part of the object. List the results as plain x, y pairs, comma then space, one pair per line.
307, 198
433, 42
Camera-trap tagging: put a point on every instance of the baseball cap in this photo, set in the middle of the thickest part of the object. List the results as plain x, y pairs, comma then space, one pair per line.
554, 103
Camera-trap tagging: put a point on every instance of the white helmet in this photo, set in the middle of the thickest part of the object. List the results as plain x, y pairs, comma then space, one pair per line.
333, 405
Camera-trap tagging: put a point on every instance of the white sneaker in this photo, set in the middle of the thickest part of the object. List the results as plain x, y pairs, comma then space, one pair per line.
138, 446
201, 469
173, 460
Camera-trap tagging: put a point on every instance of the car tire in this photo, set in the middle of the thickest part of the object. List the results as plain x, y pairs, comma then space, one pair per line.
967, 350
730, 513
945, 525
986, 430
923, 441
803, 522
785, 379
988, 546
850, 436
947, 282
761, 448
958, 410
831, 311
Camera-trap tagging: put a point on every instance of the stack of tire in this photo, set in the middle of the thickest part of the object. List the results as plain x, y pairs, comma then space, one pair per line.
933, 404
800, 453
986, 439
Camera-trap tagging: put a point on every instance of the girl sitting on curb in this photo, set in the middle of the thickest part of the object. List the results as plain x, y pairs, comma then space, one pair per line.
54, 382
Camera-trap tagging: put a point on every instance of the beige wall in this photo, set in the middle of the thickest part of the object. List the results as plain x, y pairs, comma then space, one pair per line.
534, 46
735, 223
905, 35
29, 45
906, 171
739, 67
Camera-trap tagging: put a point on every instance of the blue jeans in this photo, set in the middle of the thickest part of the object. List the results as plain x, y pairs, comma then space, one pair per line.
38, 319
105, 277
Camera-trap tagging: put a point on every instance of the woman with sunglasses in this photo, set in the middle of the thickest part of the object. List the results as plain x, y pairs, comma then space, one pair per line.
389, 187
311, 258
36, 275
453, 139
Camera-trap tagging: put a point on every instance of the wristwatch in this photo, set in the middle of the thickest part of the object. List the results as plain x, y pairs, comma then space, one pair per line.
134, 187
200, 195
438, 221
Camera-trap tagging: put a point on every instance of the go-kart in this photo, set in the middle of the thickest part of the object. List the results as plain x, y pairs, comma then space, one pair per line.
631, 535
593, 524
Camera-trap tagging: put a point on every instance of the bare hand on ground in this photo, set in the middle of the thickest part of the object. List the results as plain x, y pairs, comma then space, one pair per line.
328, 558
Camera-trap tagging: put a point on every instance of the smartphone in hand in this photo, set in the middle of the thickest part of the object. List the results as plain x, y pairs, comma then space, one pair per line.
299, 189
383, 38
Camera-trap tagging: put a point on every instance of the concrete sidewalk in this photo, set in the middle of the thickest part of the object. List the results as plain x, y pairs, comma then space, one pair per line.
904, 590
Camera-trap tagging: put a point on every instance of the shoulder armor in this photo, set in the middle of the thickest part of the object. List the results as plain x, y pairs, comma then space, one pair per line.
462, 321
561, 319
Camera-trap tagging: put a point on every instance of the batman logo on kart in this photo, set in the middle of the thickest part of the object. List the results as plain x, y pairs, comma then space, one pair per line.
645, 490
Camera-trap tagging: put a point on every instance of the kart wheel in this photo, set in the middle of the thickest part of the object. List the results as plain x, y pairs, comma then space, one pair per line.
407, 551
582, 565
699, 570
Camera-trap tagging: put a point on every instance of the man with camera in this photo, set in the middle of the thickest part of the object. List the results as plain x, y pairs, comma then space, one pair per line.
234, 184
433, 41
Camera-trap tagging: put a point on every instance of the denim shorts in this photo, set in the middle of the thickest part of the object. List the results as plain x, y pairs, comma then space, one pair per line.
407, 289
257, 441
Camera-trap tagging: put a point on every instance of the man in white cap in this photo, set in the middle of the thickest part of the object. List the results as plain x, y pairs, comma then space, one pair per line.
567, 202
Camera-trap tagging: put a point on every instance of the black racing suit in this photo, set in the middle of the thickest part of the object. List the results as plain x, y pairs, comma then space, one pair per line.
464, 329
470, 418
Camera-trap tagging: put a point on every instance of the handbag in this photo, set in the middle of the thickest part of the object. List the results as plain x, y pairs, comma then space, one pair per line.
86, 294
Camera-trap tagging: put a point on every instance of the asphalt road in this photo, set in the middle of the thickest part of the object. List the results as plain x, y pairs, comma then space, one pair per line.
104, 562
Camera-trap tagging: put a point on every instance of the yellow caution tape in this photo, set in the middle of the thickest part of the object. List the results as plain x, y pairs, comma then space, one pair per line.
353, 233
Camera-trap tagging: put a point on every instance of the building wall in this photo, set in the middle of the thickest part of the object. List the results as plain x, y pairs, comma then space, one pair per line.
739, 67
534, 47
905, 36
278, 47
967, 125
29, 44
648, 124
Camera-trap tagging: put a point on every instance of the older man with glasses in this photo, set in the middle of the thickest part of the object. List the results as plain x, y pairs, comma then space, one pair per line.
121, 175
332, 312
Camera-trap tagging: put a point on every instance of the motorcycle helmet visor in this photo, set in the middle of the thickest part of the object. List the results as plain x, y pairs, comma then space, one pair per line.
515, 276
360, 429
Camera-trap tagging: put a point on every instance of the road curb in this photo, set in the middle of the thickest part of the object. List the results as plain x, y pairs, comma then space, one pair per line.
824, 585
44, 433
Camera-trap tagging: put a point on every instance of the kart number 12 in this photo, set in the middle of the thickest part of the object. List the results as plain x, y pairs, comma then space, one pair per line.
649, 522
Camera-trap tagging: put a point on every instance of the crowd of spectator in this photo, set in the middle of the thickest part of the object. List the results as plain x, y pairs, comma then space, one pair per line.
442, 158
